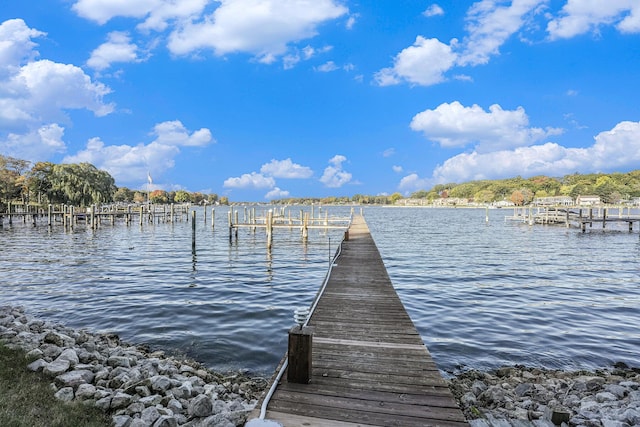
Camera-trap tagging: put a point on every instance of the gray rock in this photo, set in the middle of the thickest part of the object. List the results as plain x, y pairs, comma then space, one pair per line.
85, 391
619, 391
201, 406
150, 415
70, 355
166, 421
137, 422
120, 400
56, 367
104, 403
74, 378
37, 366
64, 394
115, 361
523, 389
160, 383
121, 421
478, 387
605, 396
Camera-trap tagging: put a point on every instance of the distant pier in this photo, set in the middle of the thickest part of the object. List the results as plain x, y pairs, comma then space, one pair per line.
577, 217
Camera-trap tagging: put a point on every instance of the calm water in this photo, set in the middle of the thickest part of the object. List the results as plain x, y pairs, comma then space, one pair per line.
482, 295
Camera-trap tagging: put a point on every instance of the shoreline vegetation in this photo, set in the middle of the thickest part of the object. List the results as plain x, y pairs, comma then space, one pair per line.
83, 185
54, 375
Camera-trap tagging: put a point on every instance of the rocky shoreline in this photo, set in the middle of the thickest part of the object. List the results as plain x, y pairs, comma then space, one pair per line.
541, 397
136, 386
143, 388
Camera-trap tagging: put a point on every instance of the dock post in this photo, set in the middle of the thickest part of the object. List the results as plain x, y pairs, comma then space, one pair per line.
486, 215
9, 212
49, 215
171, 213
299, 354
237, 222
604, 217
141, 213
213, 218
269, 229
230, 215
193, 230
93, 217
305, 227
567, 217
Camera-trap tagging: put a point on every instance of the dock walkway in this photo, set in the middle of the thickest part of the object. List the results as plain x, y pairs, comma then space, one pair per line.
370, 366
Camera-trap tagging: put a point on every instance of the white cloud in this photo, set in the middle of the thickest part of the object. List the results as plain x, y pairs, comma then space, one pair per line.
129, 164
174, 133
424, 64
578, 17
389, 152
327, 67
250, 180
36, 94
397, 169
35, 145
118, 48
433, 10
454, 125
351, 21
16, 45
276, 193
616, 149
413, 182
490, 24
263, 28
158, 13
334, 176
285, 169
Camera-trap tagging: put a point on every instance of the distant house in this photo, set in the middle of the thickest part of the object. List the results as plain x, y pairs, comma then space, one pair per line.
588, 200
553, 201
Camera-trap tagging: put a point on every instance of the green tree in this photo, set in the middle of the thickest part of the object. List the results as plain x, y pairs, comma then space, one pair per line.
158, 196
81, 184
40, 181
395, 197
123, 194
484, 196
182, 197
11, 180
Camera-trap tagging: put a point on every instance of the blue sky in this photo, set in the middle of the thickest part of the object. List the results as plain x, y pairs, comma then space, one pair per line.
264, 99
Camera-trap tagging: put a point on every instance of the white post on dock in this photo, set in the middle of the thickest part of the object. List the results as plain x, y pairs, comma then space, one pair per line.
193, 230
49, 215
141, 213
305, 227
230, 217
213, 218
486, 214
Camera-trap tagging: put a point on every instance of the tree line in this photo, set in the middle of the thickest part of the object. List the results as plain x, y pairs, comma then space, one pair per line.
82, 184
78, 184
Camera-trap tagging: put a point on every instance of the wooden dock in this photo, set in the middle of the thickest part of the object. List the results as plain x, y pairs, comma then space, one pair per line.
370, 366
576, 217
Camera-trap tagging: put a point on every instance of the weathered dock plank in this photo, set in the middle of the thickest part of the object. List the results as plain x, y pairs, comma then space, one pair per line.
370, 366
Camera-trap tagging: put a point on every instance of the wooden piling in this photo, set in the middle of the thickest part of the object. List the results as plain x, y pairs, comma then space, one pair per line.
299, 354
193, 230
213, 218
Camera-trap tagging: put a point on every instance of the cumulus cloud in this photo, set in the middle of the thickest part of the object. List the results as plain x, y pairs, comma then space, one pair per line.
424, 64
397, 169
413, 182
157, 13
433, 10
490, 24
130, 164
263, 28
334, 175
117, 48
579, 17
35, 95
35, 145
276, 193
250, 180
327, 67
286, 169
616, 149
16, 45
454, 125
174, 133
